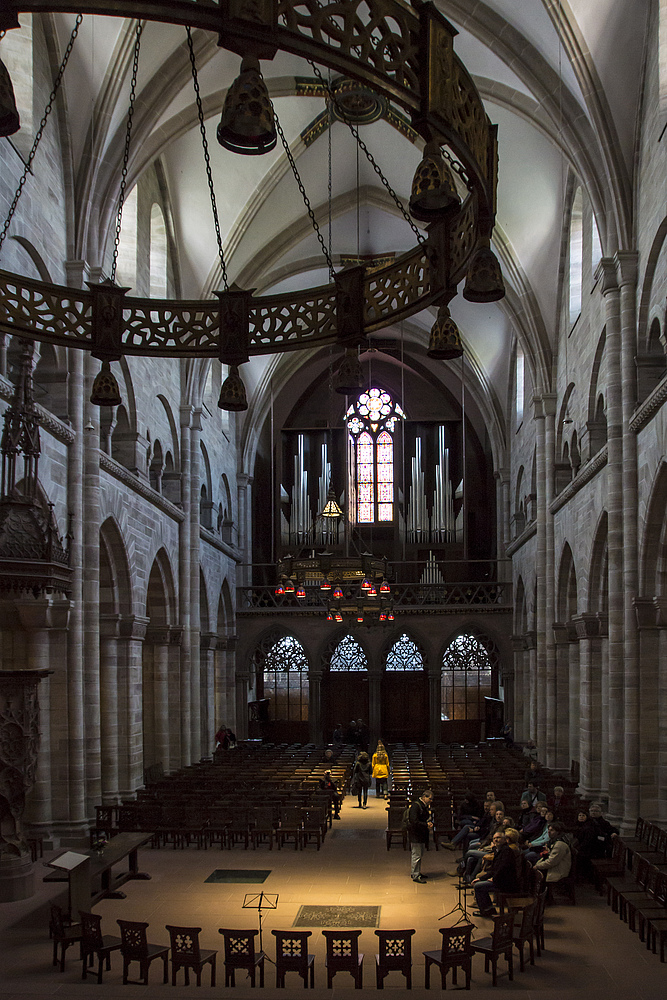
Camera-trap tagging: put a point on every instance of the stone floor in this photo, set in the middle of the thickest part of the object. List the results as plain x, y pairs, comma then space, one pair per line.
589, 953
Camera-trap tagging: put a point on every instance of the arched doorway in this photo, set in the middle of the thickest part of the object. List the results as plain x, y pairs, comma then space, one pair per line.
344, 684
405, 711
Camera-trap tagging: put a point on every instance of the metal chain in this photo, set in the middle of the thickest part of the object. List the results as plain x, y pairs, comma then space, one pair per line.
126, 152
369, 156
207, 160
40, 130
288, 153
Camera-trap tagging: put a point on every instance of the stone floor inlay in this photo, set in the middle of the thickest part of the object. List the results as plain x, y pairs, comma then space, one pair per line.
252, 875
338, 916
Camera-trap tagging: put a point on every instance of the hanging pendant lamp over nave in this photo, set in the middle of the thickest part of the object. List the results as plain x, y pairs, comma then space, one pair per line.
9, 116
247, 124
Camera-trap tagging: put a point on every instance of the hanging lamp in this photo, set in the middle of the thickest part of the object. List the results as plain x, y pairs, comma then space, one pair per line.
445, 339
232, 392
349, 378
484, 281
433, 188
9, 116
247, 124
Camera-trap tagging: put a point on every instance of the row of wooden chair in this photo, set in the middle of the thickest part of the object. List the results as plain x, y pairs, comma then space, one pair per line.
638, 895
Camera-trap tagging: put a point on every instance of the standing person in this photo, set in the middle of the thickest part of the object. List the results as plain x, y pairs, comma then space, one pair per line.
380, 769
419, 831
327, 784
361, 779
339, 736
362, 735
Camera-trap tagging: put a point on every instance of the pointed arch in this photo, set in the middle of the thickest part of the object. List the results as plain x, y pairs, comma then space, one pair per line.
347, 654
161, 592
469, 673
115, 576
405, 654
653, 551
598, 583
281, 667
566, 597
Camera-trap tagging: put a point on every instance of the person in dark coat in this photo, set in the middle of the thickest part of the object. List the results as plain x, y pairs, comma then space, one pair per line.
361, 779
420, 825
327, 784
501, 876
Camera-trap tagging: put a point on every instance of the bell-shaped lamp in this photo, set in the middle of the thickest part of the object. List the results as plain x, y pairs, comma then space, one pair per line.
332, 507
232, 392
349, 378
247, 124
105, 391
433, 188
445, 340
484, 281
9, 116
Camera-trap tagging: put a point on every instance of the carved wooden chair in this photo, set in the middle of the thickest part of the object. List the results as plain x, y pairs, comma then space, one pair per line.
524, 933
93, 943
135, 948
240, 954
63, 933
395, 956
455, 953
499, 945
292, 956
343, 956
186, 954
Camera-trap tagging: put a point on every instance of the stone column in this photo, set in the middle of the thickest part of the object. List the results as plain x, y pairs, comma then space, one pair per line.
244, 486
315, 706
242, 679
626, 269
509, 692
132, 631
185, 575
207, 645
374, 699
574, 686
517, 719
196, 744
530, 640
158, 641
91, 588
651, 623
538, 721
549, 405
606, 272
233, 719
590, 719
109, 632
662, 716
434, 702
173, 756
562, 698
504, 511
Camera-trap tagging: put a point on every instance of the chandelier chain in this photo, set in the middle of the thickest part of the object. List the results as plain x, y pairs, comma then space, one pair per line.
207, 161
40, 130
369, 156
306, 200
126, 152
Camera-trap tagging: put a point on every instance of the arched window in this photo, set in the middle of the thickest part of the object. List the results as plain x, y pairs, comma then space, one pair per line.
348, 655
370, 425
596, 245
158, 254
126, 268
466, 678
520, 385
576, 255
404, 655
286, 680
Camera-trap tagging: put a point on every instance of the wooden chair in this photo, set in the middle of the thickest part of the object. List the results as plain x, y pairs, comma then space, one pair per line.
262, 826
93, 942
395, 826
135, 948
395, 956
240, 954
455, 953
291, 825
499, 945
343, 956
524, 933
292, 956
64, 934
538, 920
186, 954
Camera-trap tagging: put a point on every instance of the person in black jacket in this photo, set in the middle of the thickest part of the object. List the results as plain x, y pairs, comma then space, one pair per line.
419, 831
500, 875
361, 779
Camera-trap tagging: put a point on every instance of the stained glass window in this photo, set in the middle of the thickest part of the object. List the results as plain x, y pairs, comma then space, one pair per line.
466, 678
370, 423
405, 655
348, 655
286, 680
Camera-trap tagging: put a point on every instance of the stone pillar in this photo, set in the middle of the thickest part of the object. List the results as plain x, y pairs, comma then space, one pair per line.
91, 588
434, 702
517, 720
185, 574
626, 269
504, 512
549, 753
244, 486
538, 721
242, 679
375, 700
158, 641
530, 640
562, 699
574, 686
651, 623
314, 706
196, 745
233, 719
606, 272
207, 645
132, 631
173, 756
109, 632
590, 719
662, 718
508, 689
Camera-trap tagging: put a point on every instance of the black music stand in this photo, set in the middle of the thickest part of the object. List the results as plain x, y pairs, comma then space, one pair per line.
259, 901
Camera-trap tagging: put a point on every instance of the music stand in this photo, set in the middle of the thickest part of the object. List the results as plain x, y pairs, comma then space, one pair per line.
460, 907
258, 901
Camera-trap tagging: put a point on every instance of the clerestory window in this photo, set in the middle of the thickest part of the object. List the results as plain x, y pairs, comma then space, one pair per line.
370, 425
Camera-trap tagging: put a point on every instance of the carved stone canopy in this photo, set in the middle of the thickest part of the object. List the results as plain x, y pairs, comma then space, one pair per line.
32, 556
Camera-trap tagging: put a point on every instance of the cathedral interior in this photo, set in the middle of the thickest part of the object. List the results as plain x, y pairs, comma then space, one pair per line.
332, 366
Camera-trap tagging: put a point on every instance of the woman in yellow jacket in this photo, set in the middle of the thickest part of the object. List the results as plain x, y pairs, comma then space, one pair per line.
380, 769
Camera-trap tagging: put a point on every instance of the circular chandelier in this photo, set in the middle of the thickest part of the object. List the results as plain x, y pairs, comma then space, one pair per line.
387, 52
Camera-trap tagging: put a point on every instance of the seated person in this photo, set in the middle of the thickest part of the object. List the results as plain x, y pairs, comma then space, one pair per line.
327, 784
594, 837
474, 829
538, 846
558, 801
500, 876
558, 862
533, 794
534, 773
475, 855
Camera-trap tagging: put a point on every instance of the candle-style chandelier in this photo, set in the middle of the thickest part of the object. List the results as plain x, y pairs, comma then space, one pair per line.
403, 57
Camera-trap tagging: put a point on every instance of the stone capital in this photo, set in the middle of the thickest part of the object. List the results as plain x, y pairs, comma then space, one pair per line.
647, 612
175, 635
504, 475
158, 635
109, 626
661, 611
208, 640
561, 636
605, 273
185, 413
544, 405
530, 640
626, 267
587, 626
518, 643
133, 627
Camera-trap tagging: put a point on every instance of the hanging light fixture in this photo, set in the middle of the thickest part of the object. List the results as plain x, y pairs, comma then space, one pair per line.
105, 391
9, 116
289, 587
232, 392
330, 617
338, 616
332, 507
484, 281
366, 584
325, 585
384, 587
360, 617
445, 340
390, 616
349, 378
337, 594
372, 592
433, 188
279, 591
300, 592
247, 124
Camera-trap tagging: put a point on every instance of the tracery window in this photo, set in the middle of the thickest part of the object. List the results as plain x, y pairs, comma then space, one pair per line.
348, 655
576, 255
126, 268
404, 655
520, 385
466, 678
286, 680
158, 254
370, 424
